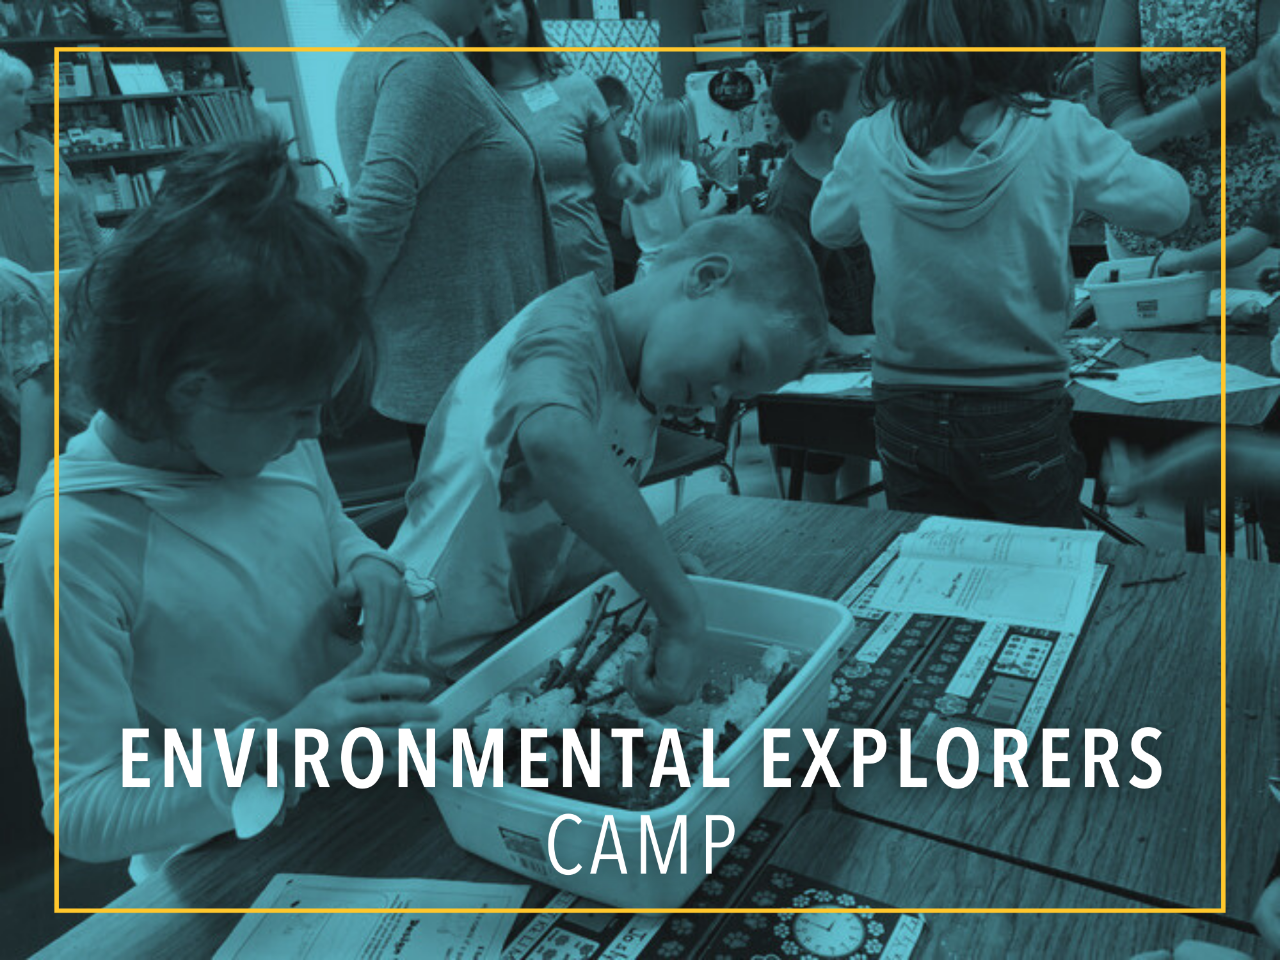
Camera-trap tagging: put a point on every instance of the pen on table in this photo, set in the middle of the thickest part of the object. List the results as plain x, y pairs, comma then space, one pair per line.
1097, 375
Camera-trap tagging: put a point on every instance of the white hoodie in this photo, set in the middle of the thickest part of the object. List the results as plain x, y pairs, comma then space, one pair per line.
186, 600
970, 244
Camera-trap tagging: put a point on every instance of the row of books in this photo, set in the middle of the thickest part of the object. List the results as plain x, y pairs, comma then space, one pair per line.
113, 192
153, 125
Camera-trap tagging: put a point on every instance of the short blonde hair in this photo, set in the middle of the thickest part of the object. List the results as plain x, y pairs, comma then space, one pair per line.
11, 67
1269, 73
773, 266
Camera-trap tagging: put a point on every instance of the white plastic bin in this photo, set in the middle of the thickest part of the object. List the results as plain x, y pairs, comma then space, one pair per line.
1137, 301
509, 825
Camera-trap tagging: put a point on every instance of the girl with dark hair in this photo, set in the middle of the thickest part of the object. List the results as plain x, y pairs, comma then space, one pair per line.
964, 182
205, 557
447, 200
570, 125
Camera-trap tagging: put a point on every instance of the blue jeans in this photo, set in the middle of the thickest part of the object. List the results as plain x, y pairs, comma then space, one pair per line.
1003, 455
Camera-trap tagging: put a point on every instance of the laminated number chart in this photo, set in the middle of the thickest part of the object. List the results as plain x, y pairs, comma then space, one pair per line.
929, 672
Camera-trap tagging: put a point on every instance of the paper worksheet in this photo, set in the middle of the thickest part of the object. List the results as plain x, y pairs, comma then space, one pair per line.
829, 384
1031, 576
1186, 378
374, 936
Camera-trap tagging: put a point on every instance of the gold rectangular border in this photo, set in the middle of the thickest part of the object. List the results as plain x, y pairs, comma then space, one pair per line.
60, 50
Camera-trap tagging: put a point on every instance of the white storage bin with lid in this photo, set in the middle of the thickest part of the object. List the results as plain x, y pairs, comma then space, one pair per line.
509, 825
1135, 300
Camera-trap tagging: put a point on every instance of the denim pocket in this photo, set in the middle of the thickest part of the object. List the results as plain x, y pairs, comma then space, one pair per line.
1031, 461
894, 449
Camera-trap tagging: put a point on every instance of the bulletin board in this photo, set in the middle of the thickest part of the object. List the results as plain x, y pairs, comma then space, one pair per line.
640, 72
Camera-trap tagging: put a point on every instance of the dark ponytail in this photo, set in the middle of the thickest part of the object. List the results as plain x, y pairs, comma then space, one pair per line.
228, 271
931, 92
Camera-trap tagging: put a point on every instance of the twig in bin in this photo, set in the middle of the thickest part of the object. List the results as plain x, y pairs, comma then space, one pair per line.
598, 609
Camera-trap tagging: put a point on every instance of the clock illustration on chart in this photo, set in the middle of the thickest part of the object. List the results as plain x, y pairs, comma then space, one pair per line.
853, 930
835, 935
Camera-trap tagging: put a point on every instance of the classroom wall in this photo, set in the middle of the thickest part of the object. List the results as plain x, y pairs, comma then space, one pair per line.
261, 23
679, 20
856, 24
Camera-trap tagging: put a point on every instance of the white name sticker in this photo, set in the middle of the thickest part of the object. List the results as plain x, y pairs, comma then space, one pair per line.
541, 97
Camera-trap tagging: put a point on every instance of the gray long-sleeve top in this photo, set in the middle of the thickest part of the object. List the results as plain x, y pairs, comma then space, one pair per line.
447, 204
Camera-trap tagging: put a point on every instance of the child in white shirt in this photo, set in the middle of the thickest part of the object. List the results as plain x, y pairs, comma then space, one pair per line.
670, 202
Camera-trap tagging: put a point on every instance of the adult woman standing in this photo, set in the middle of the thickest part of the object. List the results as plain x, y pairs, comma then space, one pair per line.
80, 236
1171, 102
569, 123
447, 200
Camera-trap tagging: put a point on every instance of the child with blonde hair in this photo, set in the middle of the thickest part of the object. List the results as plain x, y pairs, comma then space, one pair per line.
671, 200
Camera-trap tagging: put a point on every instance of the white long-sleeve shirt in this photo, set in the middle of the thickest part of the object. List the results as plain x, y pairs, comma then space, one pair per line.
970, 245
185, 601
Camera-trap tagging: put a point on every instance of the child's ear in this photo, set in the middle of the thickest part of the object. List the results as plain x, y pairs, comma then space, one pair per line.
823, 122
187, 389
707, 275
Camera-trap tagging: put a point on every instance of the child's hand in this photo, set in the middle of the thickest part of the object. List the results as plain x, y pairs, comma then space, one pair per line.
12, 505
849, 345
1172, 261
390, 618
627, 182
1269, 280
1186, 470
716, 201
671, 673
692, 564
360, 696
1266, 915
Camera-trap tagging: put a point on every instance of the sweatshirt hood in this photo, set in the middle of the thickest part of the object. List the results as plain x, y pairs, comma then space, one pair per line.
89, 466
955, 185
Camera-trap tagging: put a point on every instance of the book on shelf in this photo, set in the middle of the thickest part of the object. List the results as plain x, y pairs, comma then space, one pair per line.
158, 124
137, 74
98, 73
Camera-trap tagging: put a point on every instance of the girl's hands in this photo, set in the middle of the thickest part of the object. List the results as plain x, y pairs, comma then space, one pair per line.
360, 696
390, 617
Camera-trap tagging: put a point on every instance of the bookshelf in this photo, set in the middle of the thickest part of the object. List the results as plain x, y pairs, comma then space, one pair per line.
124, 115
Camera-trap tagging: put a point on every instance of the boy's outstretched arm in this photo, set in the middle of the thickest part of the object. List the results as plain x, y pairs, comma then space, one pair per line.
587, 486
1189, 468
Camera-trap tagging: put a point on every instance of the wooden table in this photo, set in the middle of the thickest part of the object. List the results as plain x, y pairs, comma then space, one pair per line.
844, 425
1150, 658
952, 852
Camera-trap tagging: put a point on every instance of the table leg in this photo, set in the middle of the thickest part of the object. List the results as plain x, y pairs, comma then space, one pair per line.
795, 487
1194, 524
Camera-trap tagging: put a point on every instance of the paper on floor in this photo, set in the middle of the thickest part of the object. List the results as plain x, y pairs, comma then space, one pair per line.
1031, 576
1186, 378
373, 936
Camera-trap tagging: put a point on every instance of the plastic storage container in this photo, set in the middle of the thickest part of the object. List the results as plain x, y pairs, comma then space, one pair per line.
509, 825
1138, 301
